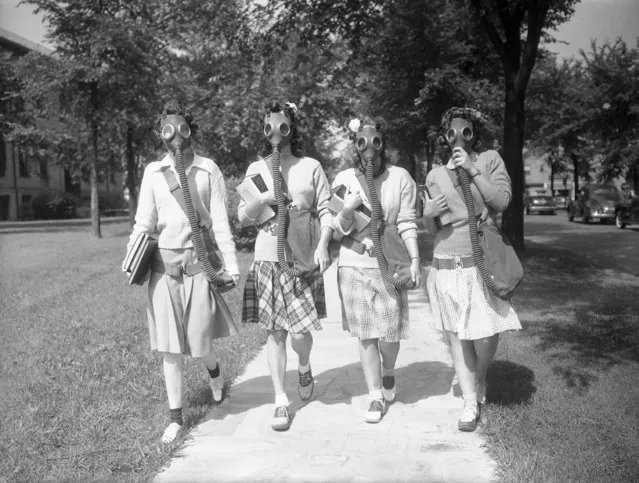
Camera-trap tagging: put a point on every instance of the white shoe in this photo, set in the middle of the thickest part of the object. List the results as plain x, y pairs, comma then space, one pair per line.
171, 432
389, 393
217, 386
469, 417
376, 410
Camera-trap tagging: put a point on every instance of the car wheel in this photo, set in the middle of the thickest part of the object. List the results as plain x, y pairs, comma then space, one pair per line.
585, 220
619, 221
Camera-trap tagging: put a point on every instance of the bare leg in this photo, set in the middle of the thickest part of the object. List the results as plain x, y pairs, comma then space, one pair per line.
464, 360
389, 351
302, 345
369, 355
174, 379
276, 355
485, 350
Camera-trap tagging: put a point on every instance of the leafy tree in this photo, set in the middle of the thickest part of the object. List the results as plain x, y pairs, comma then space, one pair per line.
515, 29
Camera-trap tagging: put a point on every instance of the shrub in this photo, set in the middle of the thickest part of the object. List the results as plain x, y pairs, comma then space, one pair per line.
244, 237
53, 205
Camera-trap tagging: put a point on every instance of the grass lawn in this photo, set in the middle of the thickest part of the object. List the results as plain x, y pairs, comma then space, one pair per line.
563, 393
82, 394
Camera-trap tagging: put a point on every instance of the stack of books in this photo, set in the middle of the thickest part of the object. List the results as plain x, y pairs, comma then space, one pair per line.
137, 262
252, 187
363, 213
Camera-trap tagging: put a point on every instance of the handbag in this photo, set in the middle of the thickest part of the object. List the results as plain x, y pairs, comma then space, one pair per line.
389, 247
495, 258
211, 264
137, 261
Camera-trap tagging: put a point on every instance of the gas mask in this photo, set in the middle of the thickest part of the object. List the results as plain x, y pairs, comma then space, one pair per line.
460, 134
277, 129
175, 133
369, 144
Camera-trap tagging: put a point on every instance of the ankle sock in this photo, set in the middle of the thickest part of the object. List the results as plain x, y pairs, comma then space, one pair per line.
281, 400
176, 416
470, 398
375, 395
304, 369
214, 372
388, 382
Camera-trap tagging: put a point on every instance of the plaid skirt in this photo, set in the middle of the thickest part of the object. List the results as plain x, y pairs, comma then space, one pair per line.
369, 310
276, 300
462, 303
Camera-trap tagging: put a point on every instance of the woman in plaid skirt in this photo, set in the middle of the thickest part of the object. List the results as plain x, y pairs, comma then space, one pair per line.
280, 302
373, 311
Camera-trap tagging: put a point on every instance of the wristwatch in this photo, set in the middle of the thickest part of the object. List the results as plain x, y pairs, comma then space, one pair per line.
474, 172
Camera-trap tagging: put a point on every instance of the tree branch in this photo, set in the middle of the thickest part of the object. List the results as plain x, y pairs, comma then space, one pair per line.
491, 30
536, 18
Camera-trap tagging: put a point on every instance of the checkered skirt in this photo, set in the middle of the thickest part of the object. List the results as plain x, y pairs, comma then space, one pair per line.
276, 300
462, 303
369, 310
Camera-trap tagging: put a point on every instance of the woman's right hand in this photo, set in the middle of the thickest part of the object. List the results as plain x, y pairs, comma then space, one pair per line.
434, 207
352, 201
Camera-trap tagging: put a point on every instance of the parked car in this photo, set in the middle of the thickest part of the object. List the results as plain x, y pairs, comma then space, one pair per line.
539, 204
595, 202
627, 212
562, 198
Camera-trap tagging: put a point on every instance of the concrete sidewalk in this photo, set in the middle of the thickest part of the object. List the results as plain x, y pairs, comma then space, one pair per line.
328, 440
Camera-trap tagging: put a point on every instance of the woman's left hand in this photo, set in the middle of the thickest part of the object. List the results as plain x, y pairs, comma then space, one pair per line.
416, 272
462, 159
322, 258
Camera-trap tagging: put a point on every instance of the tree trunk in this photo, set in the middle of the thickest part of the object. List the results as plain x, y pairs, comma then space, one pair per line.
95, 200
513, 218
131, 176
552, 177
575, 167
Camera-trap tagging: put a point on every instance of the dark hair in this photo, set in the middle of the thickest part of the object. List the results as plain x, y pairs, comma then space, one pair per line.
296, 141
378, 125
175, 107
476, 118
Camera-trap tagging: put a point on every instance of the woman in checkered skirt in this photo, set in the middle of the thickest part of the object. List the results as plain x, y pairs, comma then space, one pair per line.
373, 311
462, 306
276, 300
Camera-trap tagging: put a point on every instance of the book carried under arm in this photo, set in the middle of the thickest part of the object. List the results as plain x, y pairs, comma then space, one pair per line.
252, 187
137, 261
362, 213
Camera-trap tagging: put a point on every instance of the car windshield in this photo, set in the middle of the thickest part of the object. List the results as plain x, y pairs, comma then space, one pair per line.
607, 192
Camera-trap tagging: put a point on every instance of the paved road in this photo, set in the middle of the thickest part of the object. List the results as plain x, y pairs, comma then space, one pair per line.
604, 244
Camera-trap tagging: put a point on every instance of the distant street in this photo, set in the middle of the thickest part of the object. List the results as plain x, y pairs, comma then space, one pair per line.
604, 244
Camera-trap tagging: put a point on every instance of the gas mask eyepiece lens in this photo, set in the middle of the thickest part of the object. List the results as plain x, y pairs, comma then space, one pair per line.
361, 143
377, 143
168, 131
451, 135
184, 130
268, 129
467, 133
285, 129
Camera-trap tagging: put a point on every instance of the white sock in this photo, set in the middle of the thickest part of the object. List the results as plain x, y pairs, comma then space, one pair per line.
281, 399
375, 395
304, 369
470, 398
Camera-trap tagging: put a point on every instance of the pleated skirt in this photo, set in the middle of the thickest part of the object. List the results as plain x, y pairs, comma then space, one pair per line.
369, 309
185, 313
461, 303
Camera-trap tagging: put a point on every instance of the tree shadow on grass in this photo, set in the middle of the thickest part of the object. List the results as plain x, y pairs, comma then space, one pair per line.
584, 316
509, 383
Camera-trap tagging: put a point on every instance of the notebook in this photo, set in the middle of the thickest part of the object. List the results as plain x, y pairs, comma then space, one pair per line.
362, 213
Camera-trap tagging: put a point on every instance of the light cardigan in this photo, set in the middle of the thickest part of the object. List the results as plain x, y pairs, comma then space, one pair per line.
397, 193
454, 238
159, 212
308, 188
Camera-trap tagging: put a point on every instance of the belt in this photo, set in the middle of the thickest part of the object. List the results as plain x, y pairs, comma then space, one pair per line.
357, 246
453, 263
175, 270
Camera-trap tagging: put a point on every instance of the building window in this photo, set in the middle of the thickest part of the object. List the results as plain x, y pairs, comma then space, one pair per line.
44, 169
5, 200
3, 158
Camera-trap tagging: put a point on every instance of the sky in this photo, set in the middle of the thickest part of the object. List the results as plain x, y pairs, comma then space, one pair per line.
599, 19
